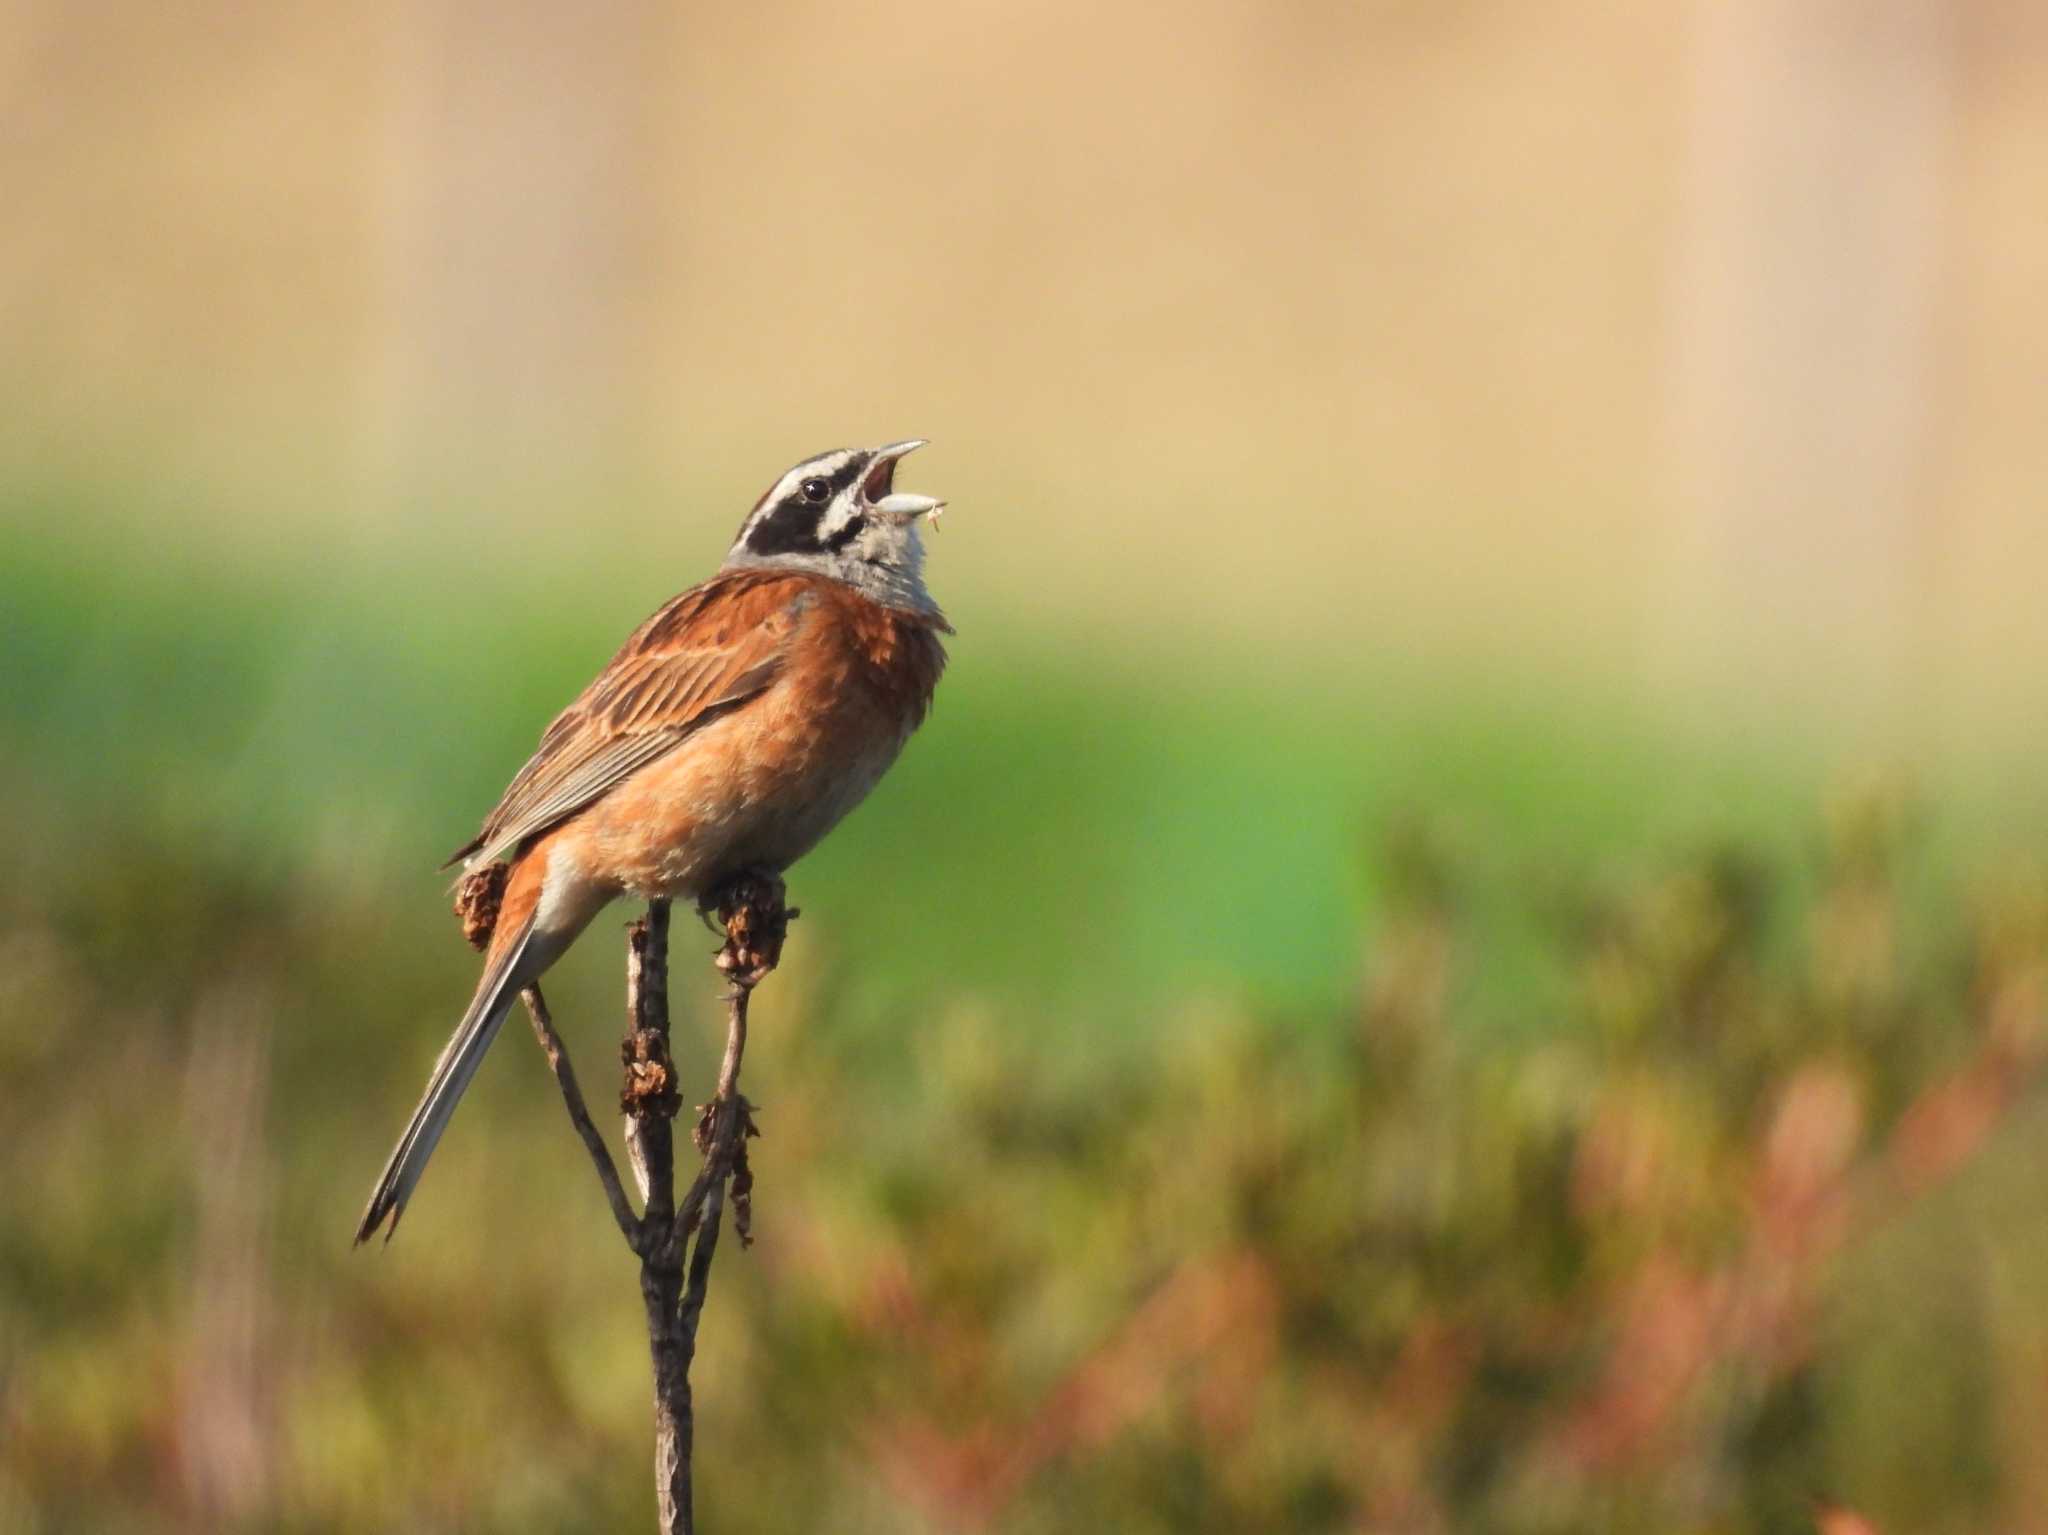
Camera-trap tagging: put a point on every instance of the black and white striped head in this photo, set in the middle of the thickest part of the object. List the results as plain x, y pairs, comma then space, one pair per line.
840, 515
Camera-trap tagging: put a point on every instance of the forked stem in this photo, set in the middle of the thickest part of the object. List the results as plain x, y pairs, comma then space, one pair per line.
675, 1273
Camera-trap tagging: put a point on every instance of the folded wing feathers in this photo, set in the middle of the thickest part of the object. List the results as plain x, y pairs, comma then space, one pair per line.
569, 792
643, 705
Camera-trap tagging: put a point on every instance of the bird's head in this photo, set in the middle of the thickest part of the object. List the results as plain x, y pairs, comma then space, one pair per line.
840, 515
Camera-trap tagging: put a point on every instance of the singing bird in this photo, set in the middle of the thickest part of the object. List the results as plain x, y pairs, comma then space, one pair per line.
733, 730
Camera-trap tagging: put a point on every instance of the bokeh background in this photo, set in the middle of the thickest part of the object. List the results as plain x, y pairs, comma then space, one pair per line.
1466, 948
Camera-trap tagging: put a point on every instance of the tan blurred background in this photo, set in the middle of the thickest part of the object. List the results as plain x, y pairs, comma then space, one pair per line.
1628, 338
1466, 947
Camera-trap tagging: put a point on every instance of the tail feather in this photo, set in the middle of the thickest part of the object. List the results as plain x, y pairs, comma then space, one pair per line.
503, 978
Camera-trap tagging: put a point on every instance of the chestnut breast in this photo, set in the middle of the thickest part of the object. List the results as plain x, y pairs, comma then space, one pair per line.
758, 787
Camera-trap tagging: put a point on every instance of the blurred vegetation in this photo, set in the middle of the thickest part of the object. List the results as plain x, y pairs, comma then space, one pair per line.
1661, 1192
1388, 996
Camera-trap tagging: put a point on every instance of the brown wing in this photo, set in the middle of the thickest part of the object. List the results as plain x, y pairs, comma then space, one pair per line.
701, 655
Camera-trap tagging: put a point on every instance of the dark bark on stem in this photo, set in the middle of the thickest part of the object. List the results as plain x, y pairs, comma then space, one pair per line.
650, 1101
649, 1098
674, 1417
674, 1274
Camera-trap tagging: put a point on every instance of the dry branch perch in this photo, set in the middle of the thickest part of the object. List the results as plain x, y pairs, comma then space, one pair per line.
674, 1274
756, 922
630, 1226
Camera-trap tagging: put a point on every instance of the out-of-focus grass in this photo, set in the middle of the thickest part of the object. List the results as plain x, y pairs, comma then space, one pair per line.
1204, 1093
1721, 1241
1086, 822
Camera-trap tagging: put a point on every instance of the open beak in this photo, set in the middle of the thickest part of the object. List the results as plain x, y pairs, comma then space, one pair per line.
879, 488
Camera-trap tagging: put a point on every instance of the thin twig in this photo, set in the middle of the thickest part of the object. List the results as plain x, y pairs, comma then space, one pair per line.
735, 1041
572, 1095
722, 1126
756, 922
700, 1271
650, 1100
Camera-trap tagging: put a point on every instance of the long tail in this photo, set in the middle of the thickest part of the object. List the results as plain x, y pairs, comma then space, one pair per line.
513, 965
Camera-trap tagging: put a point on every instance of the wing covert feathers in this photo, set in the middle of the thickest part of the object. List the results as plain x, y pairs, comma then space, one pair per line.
700, 655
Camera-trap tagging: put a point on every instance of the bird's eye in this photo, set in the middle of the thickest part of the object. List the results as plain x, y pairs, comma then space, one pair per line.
816, 490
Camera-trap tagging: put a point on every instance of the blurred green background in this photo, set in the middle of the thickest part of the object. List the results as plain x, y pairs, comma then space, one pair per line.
1466, 947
